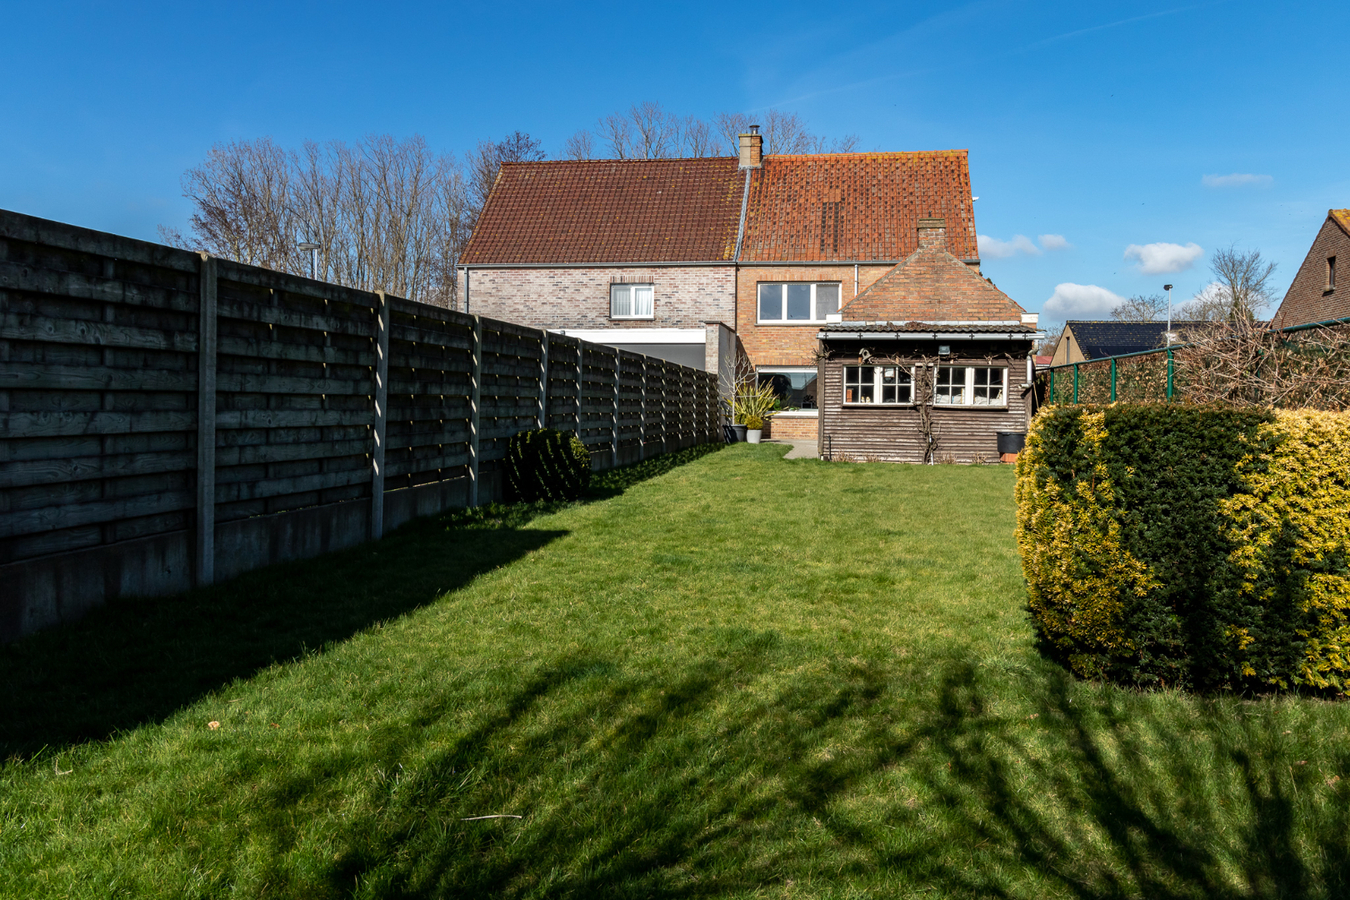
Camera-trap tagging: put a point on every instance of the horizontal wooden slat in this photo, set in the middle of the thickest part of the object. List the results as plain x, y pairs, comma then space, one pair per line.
77, 331
57, 423
276, 487
72, 515
81, 286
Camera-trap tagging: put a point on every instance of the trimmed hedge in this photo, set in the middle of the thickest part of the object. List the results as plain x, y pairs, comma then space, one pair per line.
545, 464
1188, 546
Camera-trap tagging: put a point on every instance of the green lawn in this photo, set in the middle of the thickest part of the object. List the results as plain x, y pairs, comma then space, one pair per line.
744, 676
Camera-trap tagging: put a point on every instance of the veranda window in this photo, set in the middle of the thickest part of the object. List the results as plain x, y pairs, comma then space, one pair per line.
889, 385
970, 386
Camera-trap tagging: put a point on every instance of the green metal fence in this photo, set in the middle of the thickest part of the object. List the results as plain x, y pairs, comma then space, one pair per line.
1145, 377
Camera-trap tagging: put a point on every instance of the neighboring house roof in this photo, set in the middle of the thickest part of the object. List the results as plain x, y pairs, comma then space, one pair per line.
809, 208
608, 211
1310, 298
1042, 361
1096, 338
856, 206
932, 285
1342, 218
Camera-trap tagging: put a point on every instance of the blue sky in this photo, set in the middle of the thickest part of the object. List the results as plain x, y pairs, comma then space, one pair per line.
1110, 125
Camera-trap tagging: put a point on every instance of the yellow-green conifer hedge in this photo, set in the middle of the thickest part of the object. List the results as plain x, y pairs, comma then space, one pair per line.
1190, 546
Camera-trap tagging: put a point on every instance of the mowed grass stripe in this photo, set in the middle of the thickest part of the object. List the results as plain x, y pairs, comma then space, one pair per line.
745, 677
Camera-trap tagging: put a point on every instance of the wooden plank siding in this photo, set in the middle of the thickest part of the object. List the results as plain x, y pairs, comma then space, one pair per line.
964, 434
102, 493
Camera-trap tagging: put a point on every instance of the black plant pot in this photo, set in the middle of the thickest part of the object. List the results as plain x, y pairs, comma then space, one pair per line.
735, 434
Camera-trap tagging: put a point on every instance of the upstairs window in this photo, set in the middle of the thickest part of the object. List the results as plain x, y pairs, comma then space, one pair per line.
970, 386
797, 302
888, 385
631, 301
1331, 273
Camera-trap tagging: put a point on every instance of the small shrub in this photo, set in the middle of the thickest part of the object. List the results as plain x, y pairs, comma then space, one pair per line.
546, 465
754, 423
1196, 547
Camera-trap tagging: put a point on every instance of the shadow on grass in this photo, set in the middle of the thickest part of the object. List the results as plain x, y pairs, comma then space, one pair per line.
689, 783
139, 660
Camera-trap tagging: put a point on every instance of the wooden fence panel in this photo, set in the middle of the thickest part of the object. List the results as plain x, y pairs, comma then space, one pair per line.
281, 398
429, 416
166, 418
97, 389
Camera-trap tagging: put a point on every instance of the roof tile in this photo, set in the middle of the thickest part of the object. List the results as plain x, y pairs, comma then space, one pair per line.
608, 211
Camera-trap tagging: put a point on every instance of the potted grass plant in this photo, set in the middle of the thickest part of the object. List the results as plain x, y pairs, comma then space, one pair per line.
753, 405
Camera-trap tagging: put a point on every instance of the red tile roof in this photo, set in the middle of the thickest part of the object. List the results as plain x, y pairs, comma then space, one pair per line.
608, 211
932, 285
813, 208
856, 206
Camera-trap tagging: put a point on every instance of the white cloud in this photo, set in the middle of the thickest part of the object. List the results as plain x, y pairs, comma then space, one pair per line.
996, 249
1162, 258
1053, 242
1080, 301
1236, 180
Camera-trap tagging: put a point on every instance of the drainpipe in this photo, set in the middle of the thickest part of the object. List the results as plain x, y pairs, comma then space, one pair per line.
855, 280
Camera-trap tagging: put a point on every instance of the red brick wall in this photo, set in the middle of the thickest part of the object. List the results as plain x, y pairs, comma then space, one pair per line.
579, 298
1308, 300
783, 428
789, 345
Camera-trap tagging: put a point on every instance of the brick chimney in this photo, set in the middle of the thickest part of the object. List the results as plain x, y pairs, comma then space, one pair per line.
752, 149
932, 234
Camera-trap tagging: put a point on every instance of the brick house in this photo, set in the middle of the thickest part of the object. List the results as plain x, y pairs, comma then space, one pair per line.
713, 259
932, 361
1319, 293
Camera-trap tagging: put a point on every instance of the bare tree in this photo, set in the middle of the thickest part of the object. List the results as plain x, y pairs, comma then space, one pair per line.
1245, 363
580, 146
1052, 335
647, 131
783, 133
486, 159
1241, 288
388, 215
1141, 308
697, 138
242, 209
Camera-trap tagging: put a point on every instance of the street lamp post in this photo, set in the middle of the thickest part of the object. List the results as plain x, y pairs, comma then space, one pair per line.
1168, 288
313, 249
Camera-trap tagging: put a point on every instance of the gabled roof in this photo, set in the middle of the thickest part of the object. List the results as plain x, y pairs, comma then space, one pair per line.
856, 206
932, 285
1342, 218
1099, 338
610, 211
811, 208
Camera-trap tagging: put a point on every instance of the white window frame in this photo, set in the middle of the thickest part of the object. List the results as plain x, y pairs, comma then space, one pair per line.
968, 387
816, 318
631, 289
878, 385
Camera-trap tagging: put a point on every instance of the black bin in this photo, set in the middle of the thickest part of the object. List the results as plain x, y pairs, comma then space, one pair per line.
1011, 442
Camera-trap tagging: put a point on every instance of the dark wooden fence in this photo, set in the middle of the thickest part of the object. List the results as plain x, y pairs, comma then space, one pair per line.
168, 419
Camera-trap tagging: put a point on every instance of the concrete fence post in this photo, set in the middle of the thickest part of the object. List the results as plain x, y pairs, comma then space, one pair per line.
205, 550
543, 379
475, 407
614, 431
642, 415
381, 416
